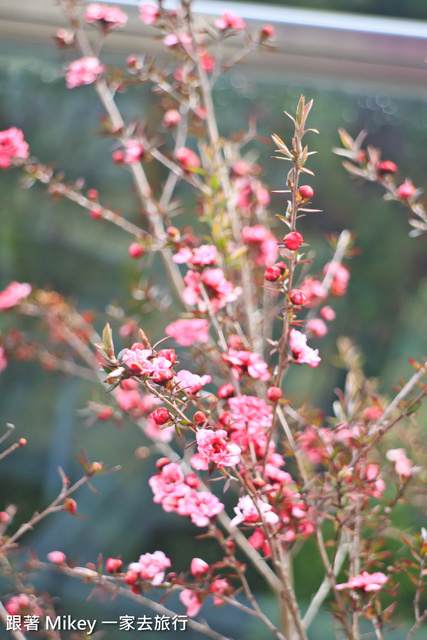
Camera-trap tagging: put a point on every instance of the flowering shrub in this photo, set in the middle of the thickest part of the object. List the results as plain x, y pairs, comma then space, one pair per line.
247, 320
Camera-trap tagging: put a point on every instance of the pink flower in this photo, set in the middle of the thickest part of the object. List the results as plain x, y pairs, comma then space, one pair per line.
183, 256
220, 585
172, 39
213, 446
247, 511
265, 243
198, 567
366, 581
14, 293
229, 20
317, 327
204, 255
300, 350
168, 483
153, 431
341, 276
56, 557
12, 145
171, 118
141, 362
187, 332
402, 464
111, 17
3, 359
192, 601
251, 417
148, 13
247, 362
327, 313
187, 158
313, 290
201, 506
83, 71
191, 382
151, 566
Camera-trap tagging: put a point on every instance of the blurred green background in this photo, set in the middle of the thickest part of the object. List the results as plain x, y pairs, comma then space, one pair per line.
59, 247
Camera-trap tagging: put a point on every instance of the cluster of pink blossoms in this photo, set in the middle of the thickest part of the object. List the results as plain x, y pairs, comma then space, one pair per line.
188, 332
148, 14
203, 256
130, 400
23, 605
229, 20
14, 293
264, 243
249, 512
109, 17
366, 581
250, 418
301, 352
247, 362
177, 493
251, 195
12, 145
151, 566
213, 446
404, 467
142, 362
83, 71
219, 290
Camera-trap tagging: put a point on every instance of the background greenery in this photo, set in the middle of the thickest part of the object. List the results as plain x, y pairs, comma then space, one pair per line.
57, 246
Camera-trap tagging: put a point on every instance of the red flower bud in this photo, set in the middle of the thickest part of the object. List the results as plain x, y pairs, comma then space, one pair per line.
225, 418
297, 297
92, 194
113, 565
199, 417
226, 391
272, 274
131, 577
267, 32
160, 416
293, 240
274, 394
259, 483
22, 442
173, 233
70, 505
118, 156
95, 214
406, 190
386, 166
105, 414
135, 250
305, 191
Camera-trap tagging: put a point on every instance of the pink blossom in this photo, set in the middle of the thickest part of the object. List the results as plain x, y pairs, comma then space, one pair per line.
191, 382
14, 293
12, 145
56, 557
300, 350
168, 483
403, 465
252, 417
191, 600
201, 506
198, 567
110, 16
3, 359
317, 327
366, 581
258, 541
219, 290
247, 362
183, 256
148, 13
247, 511
340, 277
133, 152
151, 566
141, 362
313, 290
187, 158
229, 20
128, 397
327, 313
187, 332
220, 585
265, 243
171, 118
155, 432
83, 71
204, 255
213, 446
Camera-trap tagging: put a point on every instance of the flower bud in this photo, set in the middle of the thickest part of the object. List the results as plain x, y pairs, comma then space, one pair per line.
22, 442
131, 577
169, 354
192, 481
56, 557
385, 166
171, 118
173, 233
113, 565
259, 483
267, 32
406, 190
4, 517
198, 567
199, 418
226, 391
135, 250
95, 214
118, 156
162, 462
92, 194
297, 297
105, 413
160, 416
327, 313
306, 192
272, 274
274, 394
225, 418
70, 505
293, 240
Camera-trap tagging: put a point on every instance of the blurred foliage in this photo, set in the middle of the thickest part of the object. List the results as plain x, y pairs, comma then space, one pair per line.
56, 245
416, 9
